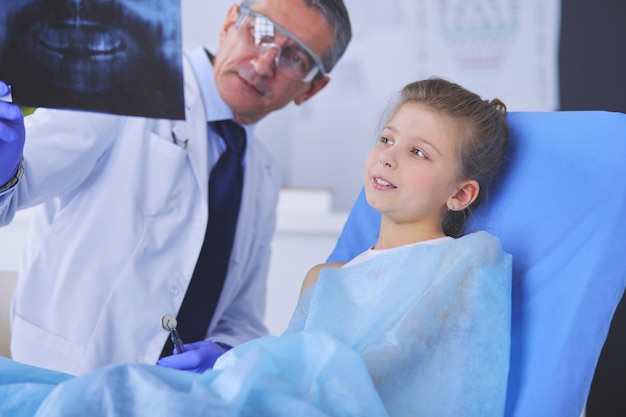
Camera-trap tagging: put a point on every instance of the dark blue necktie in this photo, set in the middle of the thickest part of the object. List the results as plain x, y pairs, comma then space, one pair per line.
225, 186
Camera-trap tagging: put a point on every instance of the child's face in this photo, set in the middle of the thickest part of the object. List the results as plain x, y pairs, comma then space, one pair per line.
412, 171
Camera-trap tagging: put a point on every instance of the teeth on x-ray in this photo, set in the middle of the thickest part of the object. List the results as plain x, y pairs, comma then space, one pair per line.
121, 56
80, 38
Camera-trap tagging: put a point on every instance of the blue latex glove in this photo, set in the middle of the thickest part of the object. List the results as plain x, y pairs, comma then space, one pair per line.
197, 357
11, 137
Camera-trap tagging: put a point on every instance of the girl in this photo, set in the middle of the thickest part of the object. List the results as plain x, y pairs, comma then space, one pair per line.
427, 309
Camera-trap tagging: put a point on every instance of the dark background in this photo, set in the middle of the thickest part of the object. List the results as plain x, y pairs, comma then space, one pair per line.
592, 76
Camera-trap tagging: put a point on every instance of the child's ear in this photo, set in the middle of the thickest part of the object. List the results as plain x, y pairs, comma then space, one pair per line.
464, 196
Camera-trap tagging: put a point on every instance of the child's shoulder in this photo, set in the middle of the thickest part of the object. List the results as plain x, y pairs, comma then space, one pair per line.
483, 243
480, 235
311, 276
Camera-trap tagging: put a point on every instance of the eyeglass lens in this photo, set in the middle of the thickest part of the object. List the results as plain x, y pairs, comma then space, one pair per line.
291, 59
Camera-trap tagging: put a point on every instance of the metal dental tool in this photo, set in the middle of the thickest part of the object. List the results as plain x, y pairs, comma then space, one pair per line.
169, 323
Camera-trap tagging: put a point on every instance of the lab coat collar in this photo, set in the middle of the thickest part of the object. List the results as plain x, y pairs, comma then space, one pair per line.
215, 107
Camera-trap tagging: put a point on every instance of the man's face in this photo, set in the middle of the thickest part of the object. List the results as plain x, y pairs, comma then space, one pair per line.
249, 81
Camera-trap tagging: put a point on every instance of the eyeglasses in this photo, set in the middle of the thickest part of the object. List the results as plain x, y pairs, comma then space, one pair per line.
293, 58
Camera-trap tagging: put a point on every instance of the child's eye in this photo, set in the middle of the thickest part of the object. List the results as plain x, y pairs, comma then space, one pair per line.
419, 153
384, 140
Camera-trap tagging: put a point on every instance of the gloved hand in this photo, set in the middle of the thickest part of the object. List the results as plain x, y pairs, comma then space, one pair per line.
197, 357
11, 137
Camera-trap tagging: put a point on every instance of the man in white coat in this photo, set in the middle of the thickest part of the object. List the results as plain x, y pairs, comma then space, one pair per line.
123, 208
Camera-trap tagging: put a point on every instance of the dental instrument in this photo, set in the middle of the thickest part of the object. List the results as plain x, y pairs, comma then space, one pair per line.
169, 323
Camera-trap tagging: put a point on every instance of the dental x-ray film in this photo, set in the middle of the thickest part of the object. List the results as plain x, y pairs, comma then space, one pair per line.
112, 56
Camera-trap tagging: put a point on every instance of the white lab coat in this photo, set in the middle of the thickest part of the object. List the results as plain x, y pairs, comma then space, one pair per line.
115, 242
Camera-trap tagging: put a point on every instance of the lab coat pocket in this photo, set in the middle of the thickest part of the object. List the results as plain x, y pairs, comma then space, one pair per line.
167, 177
60, 354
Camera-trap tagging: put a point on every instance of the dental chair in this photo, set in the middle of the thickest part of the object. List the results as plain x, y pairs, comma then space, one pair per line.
559, 207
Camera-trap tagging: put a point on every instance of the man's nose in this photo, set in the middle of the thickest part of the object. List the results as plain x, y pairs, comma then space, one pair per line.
266, 61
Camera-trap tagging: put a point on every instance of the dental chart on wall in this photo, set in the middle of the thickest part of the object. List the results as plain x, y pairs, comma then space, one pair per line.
121, 57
